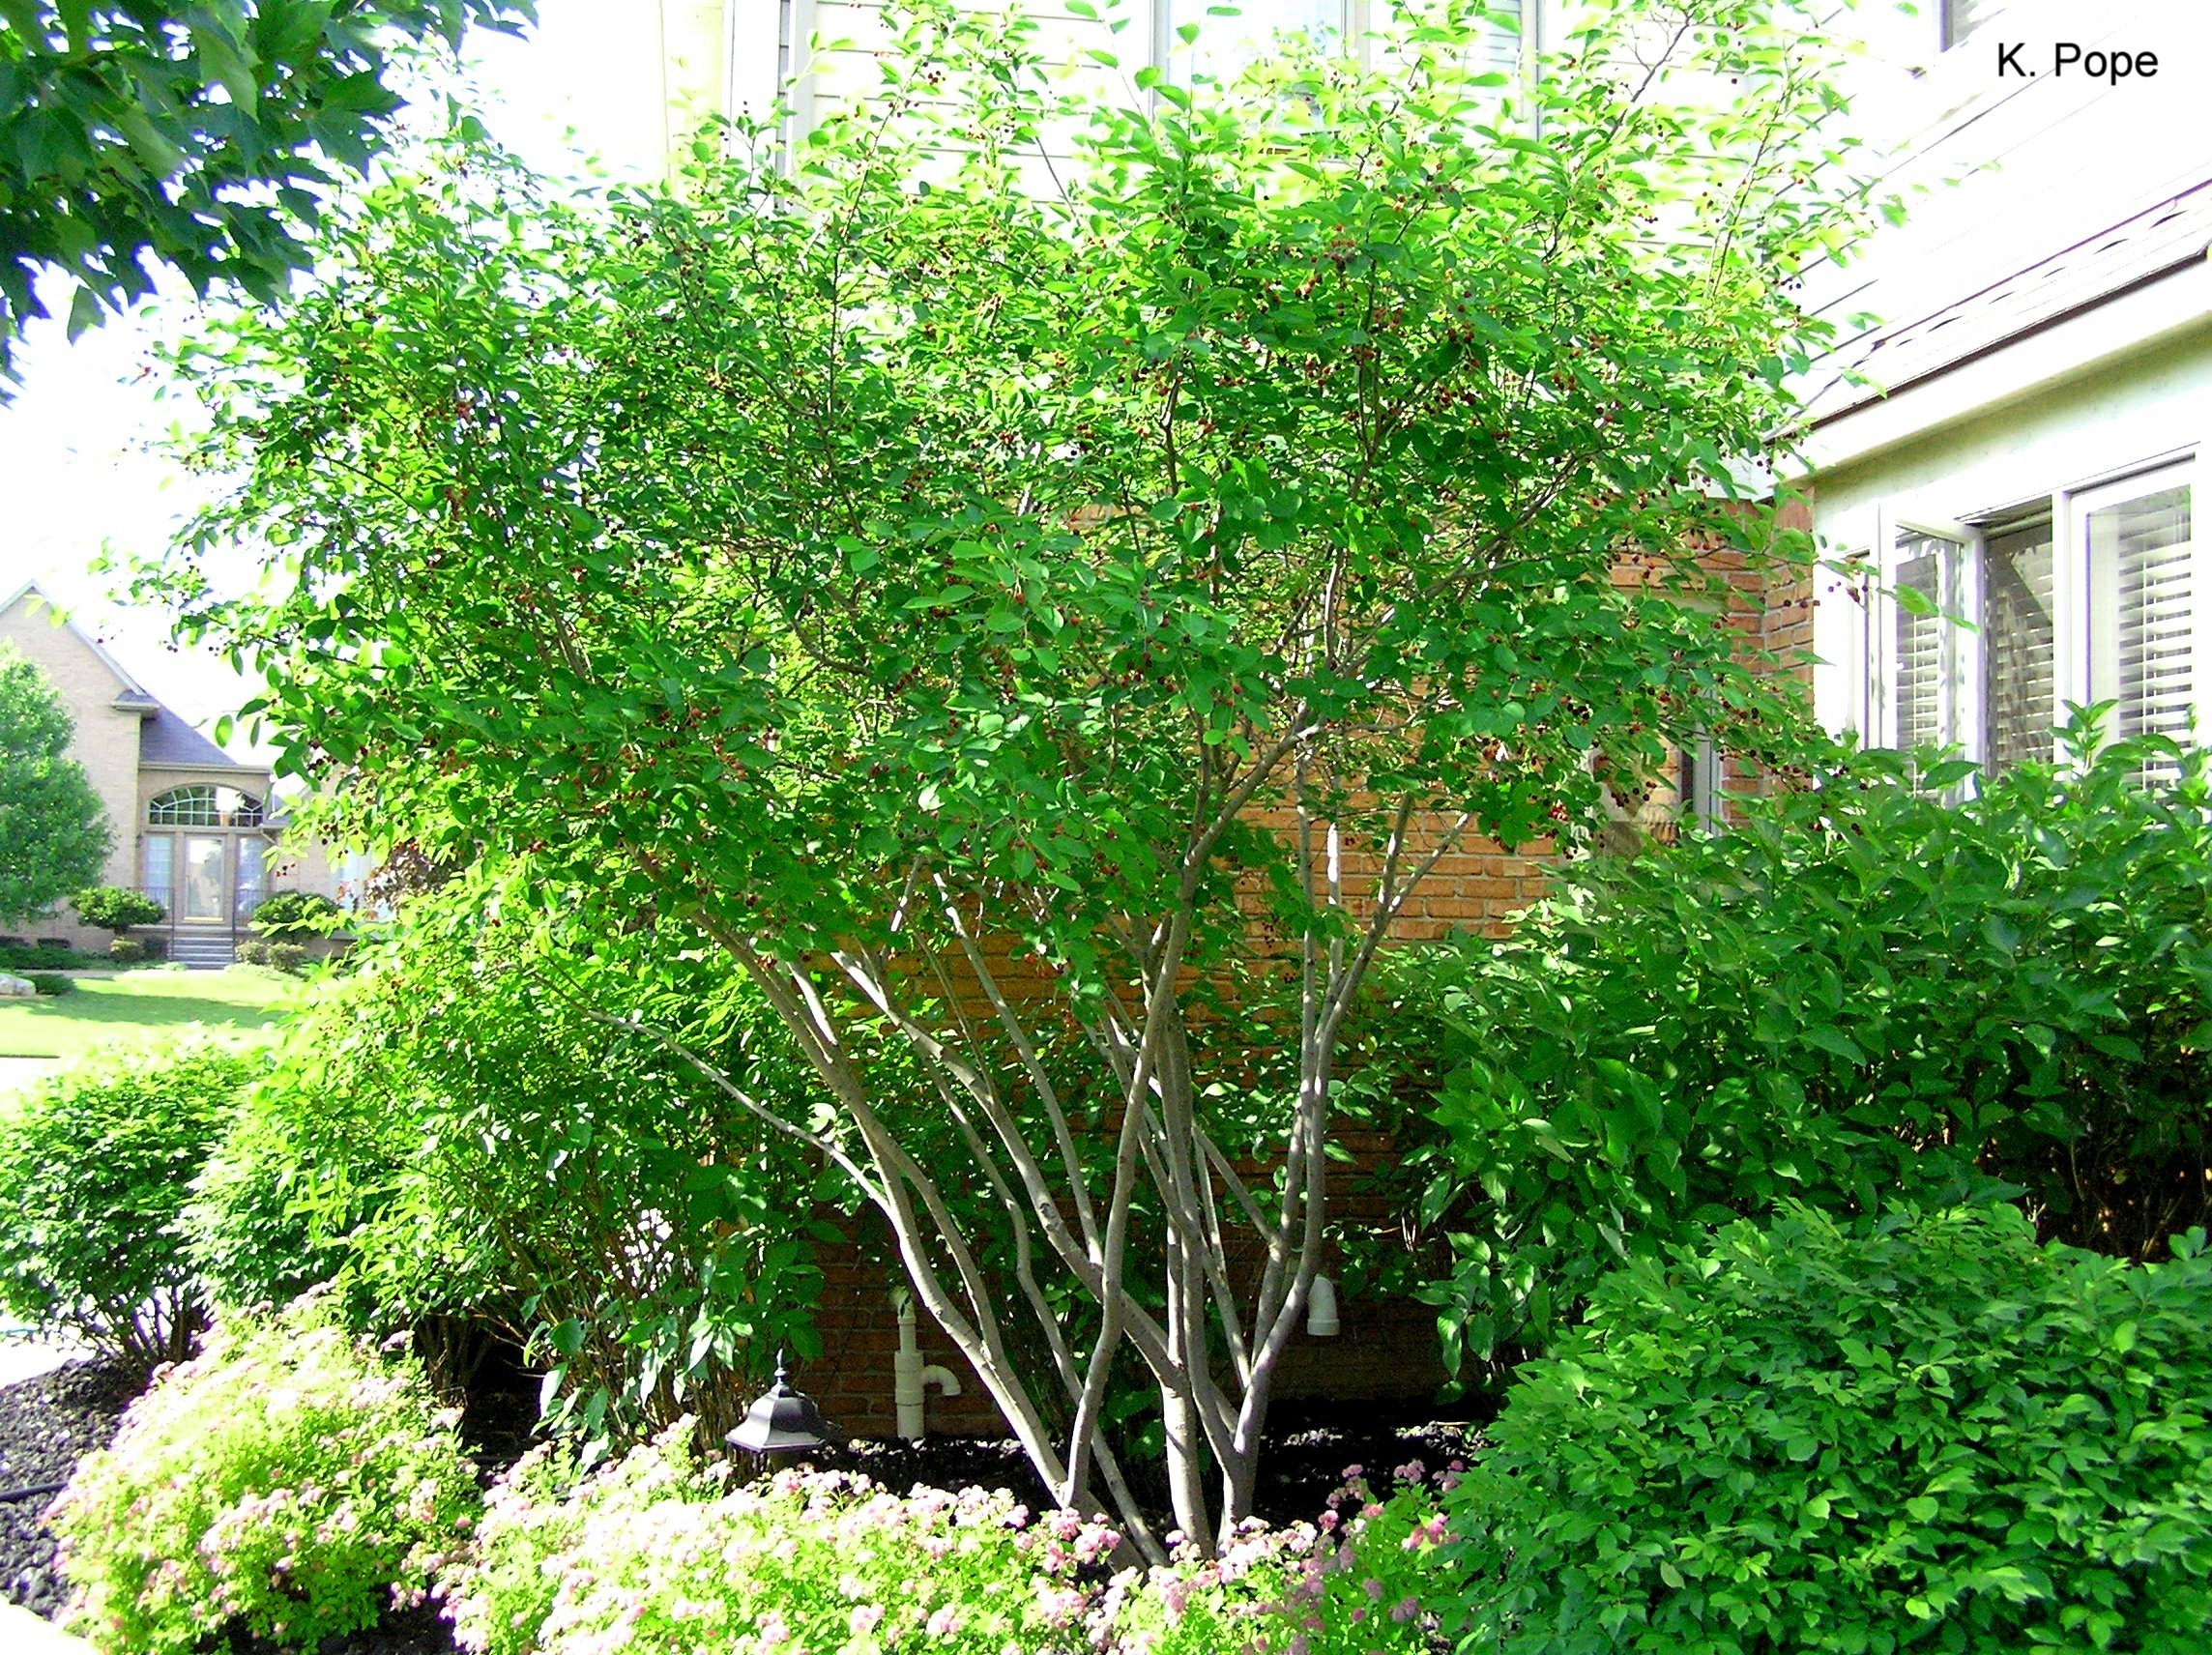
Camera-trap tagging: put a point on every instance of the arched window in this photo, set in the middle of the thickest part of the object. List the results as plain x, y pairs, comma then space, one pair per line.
204, 806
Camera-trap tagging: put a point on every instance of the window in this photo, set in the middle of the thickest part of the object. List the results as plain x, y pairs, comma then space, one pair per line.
204, 806
252, 882
1502, 44
2083, 597
2020, 645
1959, 18
1922, 677
353, 872
159, 876
1225, 43
2142, 602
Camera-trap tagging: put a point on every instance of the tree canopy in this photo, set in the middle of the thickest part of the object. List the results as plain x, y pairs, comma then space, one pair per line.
53, 833
196, 135
1012, 603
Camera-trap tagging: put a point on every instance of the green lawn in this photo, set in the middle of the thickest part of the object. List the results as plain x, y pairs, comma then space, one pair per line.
110, 1008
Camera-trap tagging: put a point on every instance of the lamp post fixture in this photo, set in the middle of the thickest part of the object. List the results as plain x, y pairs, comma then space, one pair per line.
783, 1421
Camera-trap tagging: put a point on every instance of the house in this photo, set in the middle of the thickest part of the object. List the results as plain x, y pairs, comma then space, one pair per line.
2016, 440
2013, 438
193, 828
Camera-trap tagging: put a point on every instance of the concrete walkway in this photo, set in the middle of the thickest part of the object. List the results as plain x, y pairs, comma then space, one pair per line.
22, 1357
22, 1071
22, 1632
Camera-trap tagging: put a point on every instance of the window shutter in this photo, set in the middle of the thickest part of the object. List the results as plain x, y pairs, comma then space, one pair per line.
1961, 18
2019, 642
2139, 553
1501, 41
1916, 647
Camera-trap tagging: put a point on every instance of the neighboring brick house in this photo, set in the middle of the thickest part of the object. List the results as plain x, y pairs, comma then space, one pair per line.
193, 828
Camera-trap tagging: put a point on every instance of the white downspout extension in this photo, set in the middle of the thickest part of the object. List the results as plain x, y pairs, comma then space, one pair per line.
910, 1378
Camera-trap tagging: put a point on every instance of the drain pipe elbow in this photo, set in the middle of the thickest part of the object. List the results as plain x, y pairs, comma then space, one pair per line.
912, 1377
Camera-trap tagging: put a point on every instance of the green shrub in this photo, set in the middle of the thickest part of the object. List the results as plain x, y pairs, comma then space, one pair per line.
94, 1169
668, 1559
50, 982
1918, 1432
127, 950
286, 914
110, 908
20, 956
1860, 991
449, 1135
289, 958
290, 1484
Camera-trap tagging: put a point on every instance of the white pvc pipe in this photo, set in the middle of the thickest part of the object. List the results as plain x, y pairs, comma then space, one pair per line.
1320, 1309
911, 1380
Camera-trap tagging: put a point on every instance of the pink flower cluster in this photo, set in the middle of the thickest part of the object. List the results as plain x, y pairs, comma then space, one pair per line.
654, 1555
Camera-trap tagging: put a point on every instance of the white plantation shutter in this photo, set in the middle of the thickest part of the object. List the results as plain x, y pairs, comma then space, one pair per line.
1961, 18
1227, 43
2020, 645
1918, 665
1502, 41
2143, 599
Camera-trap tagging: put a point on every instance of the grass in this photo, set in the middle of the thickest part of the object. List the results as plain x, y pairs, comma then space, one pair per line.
111, 1008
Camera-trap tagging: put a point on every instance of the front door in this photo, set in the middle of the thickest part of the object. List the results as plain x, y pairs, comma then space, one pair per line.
204, 891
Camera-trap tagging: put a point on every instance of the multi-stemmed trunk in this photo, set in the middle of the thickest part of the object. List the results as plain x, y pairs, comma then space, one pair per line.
1234, 1264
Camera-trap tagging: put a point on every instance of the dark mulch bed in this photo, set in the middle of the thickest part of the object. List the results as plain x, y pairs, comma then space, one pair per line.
47, 1423
1304, 1461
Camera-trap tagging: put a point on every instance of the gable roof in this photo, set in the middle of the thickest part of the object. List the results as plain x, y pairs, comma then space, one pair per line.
2169, 236
128, 691
165, 737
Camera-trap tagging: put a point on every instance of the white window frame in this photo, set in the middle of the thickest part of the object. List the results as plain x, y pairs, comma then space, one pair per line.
1895, 530
2097, 678
2083, 606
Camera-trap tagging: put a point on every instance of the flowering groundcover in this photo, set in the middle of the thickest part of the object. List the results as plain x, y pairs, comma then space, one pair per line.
656, 1554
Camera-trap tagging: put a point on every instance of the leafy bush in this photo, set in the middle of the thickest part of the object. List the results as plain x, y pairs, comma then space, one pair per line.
112, 908
289, 958
127, 950
17, 955
290, 1484
451, 1134
94, 1170
1919, 1431
285, 914
1859, 991
50, 982
669, 1559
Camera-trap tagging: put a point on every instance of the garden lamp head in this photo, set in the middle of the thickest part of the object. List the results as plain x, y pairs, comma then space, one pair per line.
783, 1421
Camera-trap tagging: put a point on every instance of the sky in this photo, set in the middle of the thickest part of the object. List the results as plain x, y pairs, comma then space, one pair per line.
75, 472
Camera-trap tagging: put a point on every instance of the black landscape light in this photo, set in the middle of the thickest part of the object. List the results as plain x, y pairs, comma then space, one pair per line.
783, 1421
